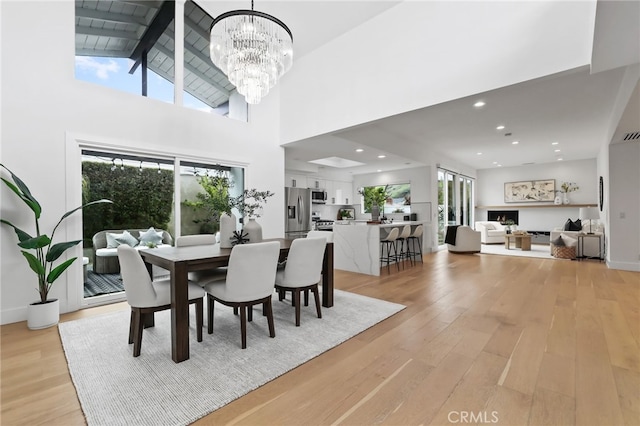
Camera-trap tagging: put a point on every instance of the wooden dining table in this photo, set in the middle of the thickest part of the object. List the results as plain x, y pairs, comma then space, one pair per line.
179, 261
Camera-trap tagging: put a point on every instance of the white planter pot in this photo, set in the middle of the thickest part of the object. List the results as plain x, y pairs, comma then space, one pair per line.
43, 315
227, 227
254, 229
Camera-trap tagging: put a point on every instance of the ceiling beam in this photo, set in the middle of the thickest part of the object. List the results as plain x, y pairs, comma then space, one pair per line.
102, 32
195, 52
195, 71
81, 12
103, 53
149, 4
159, 24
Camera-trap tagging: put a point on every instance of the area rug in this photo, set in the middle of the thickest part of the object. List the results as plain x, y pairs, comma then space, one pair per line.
116, 389
97, 284
537, 250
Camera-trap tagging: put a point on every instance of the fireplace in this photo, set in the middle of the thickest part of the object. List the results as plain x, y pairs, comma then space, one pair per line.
502, 216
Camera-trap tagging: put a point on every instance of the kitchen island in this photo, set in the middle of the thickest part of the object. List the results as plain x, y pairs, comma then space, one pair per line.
357, 244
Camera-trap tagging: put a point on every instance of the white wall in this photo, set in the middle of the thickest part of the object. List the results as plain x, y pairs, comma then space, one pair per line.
431, 52
490, 191
43, 106
624, 206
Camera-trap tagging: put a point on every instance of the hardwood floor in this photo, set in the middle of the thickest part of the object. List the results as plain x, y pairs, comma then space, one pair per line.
484, 339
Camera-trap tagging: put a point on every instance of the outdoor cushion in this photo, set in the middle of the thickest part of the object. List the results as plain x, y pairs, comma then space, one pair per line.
127, 239
151, 236
112, 239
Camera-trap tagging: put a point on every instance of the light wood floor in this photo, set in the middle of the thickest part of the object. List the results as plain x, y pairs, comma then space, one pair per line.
484, 339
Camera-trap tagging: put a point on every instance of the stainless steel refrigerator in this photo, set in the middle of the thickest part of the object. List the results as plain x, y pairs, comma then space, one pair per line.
298, 212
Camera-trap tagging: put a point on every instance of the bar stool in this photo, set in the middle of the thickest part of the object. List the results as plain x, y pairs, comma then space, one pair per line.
416, 236
404, 246
387, 243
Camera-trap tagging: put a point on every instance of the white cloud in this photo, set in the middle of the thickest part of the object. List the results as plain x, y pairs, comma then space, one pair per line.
101, 69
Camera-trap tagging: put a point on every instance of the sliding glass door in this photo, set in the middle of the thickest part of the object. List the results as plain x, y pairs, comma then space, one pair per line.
455, 201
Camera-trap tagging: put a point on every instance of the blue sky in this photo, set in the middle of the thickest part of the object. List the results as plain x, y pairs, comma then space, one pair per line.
114, 73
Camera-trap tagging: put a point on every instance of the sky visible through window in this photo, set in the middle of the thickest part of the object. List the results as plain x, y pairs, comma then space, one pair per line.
114, 73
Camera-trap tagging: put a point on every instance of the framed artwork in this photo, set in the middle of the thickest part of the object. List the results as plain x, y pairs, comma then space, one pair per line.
530, 191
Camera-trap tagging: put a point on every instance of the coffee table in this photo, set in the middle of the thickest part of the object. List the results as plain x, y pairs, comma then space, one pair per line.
523, 241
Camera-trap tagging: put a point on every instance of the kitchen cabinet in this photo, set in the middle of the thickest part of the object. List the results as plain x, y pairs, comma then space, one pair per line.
316, 183
344, 192
295, 181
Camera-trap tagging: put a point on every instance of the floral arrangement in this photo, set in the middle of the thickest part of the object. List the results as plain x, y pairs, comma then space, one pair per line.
569, 187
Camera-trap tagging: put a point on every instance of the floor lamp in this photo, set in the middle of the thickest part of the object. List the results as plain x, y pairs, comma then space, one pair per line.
589, 213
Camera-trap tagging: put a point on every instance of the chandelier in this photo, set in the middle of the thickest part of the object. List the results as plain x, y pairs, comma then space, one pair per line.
253, 49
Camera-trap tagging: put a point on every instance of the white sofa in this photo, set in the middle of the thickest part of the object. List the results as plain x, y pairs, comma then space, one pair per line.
591, 248
491, 232
467, 241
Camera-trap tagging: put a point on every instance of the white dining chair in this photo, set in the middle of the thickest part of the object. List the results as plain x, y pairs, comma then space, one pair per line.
146, 296
302, 272
249, 281
327, 235
209, 275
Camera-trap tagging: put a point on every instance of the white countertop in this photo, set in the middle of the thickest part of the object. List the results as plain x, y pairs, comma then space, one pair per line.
380, 225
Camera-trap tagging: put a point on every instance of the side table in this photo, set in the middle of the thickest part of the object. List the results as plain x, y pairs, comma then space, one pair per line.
581, 238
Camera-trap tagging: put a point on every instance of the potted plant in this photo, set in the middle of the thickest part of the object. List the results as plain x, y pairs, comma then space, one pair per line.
508, 224
45, 312
566, 188
374, 198
213, 202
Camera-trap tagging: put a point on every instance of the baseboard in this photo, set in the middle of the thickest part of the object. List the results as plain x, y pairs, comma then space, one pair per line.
624, 266
10, 316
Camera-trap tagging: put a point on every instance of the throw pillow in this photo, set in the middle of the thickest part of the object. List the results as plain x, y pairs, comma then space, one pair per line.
112, 239
570, 225
127, 239
489, 227
558, 242
569, 241
151, 236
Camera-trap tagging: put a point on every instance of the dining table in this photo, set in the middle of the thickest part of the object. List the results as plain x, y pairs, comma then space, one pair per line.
179, 261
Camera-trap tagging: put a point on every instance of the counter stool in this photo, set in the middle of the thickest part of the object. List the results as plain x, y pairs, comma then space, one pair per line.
387, 243
413, 238
404, 244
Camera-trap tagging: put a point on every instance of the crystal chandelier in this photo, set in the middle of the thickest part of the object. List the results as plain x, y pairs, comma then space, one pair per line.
253, 49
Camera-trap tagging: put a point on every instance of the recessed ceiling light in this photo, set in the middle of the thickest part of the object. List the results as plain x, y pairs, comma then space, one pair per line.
499, 165
379, 170
381, 156
495, 162
500, 127
359, 150
479, 153
556, 150
515, 142
479, 104
555, 143
560, 159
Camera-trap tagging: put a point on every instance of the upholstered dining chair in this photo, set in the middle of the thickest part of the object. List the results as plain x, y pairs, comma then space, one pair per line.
202, 277
327, 235
146, 296
302, 272
249, 281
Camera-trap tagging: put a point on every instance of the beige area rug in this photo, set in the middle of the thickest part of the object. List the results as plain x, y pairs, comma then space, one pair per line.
116, 389
537, 250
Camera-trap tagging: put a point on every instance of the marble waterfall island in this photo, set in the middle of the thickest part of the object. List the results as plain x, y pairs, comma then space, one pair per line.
357, 245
